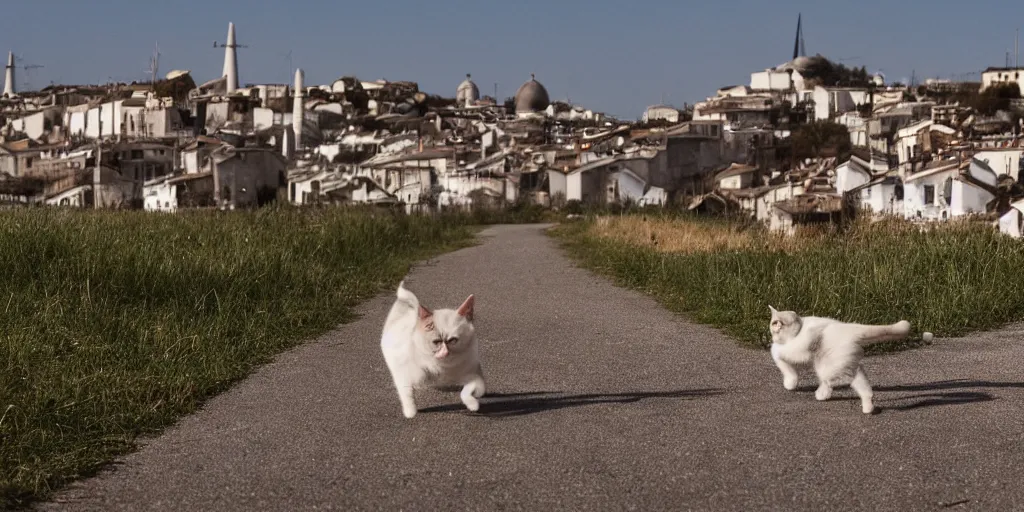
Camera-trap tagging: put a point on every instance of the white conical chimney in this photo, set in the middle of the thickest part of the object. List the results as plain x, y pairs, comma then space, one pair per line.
9, 76
298, 108
231, 60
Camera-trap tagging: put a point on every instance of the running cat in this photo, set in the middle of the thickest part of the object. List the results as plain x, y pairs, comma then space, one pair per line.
833, 348
437, 347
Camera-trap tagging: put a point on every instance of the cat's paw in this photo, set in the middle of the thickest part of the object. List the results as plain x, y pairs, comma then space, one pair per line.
790, 383
471, 403
868, 408
823, 394
409, 412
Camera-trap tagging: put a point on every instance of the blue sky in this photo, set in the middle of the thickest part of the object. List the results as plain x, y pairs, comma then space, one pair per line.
615, 57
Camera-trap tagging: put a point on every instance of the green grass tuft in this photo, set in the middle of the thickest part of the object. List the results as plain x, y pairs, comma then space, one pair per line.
949, 280
114, 324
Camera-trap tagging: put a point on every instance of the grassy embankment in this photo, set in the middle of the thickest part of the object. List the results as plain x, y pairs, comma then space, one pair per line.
114, 324
949, 280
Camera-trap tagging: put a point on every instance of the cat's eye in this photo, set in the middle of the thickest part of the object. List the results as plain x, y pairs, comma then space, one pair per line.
437, 341
452, 340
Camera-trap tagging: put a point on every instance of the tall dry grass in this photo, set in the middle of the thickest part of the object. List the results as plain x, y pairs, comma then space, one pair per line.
949, 279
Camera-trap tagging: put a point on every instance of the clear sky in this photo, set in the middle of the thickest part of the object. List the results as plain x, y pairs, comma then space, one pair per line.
613, 56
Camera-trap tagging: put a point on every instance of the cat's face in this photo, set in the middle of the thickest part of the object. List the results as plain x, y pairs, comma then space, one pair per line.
783, 325
446, 331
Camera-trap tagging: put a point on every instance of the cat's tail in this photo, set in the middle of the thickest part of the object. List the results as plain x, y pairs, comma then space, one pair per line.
876, 333
404, 295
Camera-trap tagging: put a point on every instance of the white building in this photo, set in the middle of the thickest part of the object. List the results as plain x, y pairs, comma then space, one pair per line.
736, 176
160, 195
851, 174
38, 123
948, 189
1006, 161
759, 202
614, 179
661, 113
866, 177
776, 79
857, 126
829, 102
910, 142
994, 76
1012, 222
882, 195
915, 141
75, 197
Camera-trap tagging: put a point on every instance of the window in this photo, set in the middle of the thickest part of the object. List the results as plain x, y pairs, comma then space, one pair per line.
898, 192
136, 154
28, 163
867, 193
929, 194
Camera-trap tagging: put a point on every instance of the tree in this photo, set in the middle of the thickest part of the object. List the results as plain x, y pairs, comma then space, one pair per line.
995, 98
821, 139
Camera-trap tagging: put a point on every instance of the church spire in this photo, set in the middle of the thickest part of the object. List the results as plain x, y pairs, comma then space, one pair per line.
798, 43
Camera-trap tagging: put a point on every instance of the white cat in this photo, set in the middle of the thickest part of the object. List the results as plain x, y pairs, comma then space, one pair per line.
421, 347
833, 348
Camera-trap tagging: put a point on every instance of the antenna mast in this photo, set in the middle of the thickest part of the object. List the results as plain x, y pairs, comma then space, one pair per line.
154, 66
27, 83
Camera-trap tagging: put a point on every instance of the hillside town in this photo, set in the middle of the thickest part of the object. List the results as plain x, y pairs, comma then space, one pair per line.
803, 142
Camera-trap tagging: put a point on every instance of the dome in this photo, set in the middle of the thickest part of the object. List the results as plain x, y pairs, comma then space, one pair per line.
467, 93
804, 64
531, 97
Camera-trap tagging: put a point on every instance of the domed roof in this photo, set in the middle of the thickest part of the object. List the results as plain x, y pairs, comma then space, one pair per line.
531, 97
467, 92
804, 64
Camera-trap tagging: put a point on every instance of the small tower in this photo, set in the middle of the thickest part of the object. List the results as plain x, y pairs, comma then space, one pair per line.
467, 94
231, 60
9, 76
298, 108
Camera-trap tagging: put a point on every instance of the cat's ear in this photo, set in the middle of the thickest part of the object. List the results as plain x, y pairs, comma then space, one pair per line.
774, 312
425, 313
466, 309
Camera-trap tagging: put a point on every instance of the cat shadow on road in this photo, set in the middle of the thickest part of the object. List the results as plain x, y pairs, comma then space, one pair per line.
519, 404
933, 394
946, 392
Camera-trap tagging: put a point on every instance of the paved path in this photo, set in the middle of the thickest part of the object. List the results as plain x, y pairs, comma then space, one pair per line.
600, 400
